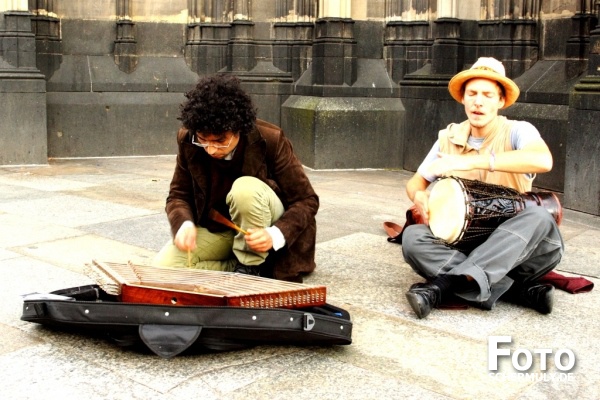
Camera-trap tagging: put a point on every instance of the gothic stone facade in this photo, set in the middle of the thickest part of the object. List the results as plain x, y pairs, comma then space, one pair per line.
355, 83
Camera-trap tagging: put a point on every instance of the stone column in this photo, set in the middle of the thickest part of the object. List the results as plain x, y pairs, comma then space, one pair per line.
293, 35
242, 48
421, 66
23, 129
45, 24
125, 52
255, 55
208, 33
578, 45
334, 61
408, 40
582, 171
446, 43
510, 28
345, 111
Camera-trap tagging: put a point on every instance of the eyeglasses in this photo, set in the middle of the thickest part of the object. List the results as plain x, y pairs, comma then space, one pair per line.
209, 144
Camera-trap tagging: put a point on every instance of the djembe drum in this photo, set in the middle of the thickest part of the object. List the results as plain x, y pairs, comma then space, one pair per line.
463, 213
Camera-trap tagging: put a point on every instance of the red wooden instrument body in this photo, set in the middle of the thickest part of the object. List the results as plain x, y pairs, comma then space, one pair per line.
184, 287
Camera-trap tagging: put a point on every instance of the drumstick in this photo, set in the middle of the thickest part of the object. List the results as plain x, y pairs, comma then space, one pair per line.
189, 258
217, 217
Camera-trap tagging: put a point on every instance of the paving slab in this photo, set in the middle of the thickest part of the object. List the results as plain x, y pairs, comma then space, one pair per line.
19, 231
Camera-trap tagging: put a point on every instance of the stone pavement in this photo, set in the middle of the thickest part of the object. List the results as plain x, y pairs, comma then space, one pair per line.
58, 217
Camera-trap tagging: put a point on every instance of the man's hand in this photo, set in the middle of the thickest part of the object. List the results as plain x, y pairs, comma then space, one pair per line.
416, 188
421, 200
259, 240
185, 239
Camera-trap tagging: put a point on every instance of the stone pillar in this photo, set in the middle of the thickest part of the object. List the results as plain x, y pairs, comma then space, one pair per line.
582, 171
345, 111
334, 61
578, 45
125, 52
23, 129
446, 43
408, 41
412, 55
208, 33
242, 47
292, 47
46, 26
293, 35
254, 56
446, 46
510, 31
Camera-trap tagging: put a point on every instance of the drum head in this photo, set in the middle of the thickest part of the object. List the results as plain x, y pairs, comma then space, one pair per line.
447, 209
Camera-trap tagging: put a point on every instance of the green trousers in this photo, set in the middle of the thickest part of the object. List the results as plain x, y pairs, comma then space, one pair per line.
252, 204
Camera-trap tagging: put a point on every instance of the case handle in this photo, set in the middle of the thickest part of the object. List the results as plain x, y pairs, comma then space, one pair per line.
309, 322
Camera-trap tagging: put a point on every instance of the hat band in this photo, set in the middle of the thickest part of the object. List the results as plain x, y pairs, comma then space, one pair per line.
486, 69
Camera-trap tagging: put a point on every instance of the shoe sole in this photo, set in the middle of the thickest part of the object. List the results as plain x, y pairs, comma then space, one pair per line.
417, 305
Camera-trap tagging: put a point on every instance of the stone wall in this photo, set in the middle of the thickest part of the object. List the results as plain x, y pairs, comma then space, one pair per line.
355, 84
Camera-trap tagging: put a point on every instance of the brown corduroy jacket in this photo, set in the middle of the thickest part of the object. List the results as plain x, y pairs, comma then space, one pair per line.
268, 156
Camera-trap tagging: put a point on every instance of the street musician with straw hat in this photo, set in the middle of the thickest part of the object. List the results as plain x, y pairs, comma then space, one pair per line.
490, 148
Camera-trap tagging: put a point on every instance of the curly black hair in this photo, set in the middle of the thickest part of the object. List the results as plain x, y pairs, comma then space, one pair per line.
218, 104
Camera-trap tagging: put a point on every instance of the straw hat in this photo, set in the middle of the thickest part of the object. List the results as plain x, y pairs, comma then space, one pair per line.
487, 68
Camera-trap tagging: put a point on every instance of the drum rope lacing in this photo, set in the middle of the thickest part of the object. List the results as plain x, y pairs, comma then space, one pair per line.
485, 202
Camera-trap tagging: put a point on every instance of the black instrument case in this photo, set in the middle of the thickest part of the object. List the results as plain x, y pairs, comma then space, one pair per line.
170, 330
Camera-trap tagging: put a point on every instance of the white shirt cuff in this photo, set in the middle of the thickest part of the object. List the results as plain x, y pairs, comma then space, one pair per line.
185, 225
276, 236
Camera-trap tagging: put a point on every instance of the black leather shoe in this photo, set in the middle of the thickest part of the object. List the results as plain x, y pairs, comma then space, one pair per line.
246, 269
538, 296
423, 297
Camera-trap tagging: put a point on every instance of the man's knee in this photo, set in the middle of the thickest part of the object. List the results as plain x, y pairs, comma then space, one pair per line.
537, 214
412, 234
412, 237
245, 191
246, 186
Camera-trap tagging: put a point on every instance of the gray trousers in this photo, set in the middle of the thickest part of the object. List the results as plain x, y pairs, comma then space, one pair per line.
522, 249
